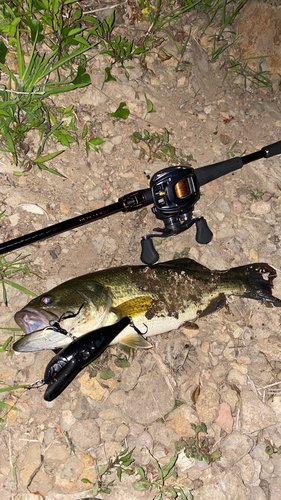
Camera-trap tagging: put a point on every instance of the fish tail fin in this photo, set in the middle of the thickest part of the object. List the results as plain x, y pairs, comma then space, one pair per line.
256, 280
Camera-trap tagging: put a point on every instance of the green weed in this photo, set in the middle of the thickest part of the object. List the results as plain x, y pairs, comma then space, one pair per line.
156, 146
183, 253
70, 443
8, 407
239, 65
121, 112
272, 449
121, 464
199, 447
164, 481
14, 470
159, 16
120, 49
231, 152
257, 194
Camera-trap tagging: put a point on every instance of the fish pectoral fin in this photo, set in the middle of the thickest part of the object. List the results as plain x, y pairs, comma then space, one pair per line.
133, 307
136, 341
215, 304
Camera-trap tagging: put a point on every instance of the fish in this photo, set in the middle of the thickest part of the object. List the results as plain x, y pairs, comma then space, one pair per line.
158, 298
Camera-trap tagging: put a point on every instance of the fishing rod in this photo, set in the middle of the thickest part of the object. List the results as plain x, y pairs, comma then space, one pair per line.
173, 192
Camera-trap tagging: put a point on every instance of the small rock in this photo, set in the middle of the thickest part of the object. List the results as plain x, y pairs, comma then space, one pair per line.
275, 487
259, 454
43, 482
184, 463
207, 404
238, 207
31, 461
56, 452
111, 448
117, 397
64, 208
107, 430
255, 415
250, 470
224, 488
83, 410
225, 419
271, 347
107, 147
163, 435
238, 378
181, 82
141, 445
130, 376
92, 388
117, 139
267, 470
85, 434
69, 474
225, 231
257, 493
110, 414
253, 254
180, 421
66, 420
225, 139
145, 407
233, 448
121, 433
261, 207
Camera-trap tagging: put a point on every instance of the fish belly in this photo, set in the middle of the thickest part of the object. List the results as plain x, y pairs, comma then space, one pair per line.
155, 326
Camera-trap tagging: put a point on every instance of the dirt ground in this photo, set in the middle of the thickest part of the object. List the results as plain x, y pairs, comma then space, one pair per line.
234, 356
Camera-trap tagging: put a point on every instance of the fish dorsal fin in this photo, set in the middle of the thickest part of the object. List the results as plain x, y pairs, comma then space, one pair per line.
133, 307
136, 341
184, 262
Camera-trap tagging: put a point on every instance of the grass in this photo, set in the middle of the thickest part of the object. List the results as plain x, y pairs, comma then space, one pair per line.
33, 75
45, 46
10, 267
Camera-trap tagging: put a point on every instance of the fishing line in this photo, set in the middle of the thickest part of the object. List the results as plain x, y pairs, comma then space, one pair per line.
71, 314
34, 385
56, 324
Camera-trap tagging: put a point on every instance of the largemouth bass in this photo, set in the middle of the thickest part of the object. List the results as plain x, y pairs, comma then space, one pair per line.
159, 299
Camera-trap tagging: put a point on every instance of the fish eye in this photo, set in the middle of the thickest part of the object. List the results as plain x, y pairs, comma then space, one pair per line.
47, 299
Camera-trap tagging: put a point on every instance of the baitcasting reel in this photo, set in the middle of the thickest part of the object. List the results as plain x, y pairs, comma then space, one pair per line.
173, 192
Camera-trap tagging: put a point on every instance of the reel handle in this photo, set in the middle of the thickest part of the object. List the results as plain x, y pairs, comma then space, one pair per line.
149, 255
203, 233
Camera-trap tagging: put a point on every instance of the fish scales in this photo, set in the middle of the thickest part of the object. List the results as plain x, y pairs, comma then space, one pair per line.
159, 299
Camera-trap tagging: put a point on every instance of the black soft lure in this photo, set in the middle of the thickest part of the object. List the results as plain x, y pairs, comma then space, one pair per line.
64, 367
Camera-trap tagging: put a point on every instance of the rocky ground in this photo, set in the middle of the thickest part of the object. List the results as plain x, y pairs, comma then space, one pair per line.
234, 357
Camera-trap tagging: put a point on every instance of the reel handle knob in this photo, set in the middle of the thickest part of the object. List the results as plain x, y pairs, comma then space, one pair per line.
203, 232
149, 255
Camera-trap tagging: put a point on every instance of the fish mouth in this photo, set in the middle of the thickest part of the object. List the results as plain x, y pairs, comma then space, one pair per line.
31, 320
39, 334
40, 340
